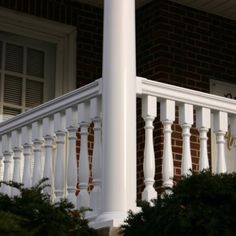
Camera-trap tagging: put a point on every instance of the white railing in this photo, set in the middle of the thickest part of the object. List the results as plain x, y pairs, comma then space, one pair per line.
212, 112
42, 142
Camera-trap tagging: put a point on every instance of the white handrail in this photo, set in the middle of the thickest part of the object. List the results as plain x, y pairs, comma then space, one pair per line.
61, 103
184, 95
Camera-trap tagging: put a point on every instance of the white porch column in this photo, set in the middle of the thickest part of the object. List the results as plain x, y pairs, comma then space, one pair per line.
119, 111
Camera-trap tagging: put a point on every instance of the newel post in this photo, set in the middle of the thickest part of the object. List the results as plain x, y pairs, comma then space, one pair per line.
119, 111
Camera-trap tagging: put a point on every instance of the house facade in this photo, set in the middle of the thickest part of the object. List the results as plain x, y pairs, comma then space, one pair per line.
164, 103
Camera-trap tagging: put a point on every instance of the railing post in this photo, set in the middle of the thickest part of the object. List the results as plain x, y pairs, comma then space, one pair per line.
37, 141
167, 118
59, 176
7, 155
27, 151
16, 147
1, 162
203, 123
149, 105
95, 195
83, 117
119, 111
186, 121
233, 130
220, 129
47, 129
72, 127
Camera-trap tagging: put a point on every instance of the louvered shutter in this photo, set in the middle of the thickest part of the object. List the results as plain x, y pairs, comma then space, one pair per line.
14, 58
34, 93
35, 63
13, 90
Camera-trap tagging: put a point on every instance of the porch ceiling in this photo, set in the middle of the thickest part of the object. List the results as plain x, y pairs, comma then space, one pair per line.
225, 8
99, 3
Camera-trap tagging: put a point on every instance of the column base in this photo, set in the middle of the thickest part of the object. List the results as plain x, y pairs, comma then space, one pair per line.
112, 231
109, 219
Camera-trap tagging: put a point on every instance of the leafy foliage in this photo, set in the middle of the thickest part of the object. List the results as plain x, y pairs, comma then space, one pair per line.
200, 204
31, 213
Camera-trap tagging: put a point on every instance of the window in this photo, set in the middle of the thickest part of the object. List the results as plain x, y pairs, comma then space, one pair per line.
27, 73
37, 61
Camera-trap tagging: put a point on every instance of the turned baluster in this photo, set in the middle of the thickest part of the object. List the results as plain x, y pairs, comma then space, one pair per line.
220, 129
17, 150
71, 126
48, 135
149, 113
7, 155
1, 163
37, 141
59, 177
83, 117
167, 118
186, 121
95, 195
27, 152
203, 123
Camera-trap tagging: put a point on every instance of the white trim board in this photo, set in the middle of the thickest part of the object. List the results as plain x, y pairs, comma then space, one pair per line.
64, 36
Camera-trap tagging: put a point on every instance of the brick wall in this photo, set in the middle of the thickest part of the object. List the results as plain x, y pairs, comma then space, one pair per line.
183, 47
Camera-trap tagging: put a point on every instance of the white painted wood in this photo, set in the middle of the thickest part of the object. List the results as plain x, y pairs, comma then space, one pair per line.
27, 152
119, 110
37, 150
186, 114
71, 125
17, 150
50, 108
84, 198
186, 121
48, 135
167, 118
203, 120
1, 163
7, 155
149, 113
95, 195
203, 160
220, 129
59, 179
183, 95
83, 118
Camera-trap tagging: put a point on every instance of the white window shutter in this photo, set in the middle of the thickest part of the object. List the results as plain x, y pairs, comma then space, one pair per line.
14, 58
35, 62
34, 93
13, 90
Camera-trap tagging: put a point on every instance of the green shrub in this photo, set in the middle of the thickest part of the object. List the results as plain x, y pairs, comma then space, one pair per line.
32, 214
201, 204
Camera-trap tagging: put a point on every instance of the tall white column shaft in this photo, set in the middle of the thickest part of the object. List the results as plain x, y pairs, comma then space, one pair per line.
119, 108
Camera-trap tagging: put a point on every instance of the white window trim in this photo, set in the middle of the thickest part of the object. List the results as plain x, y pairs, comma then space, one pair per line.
64, 36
